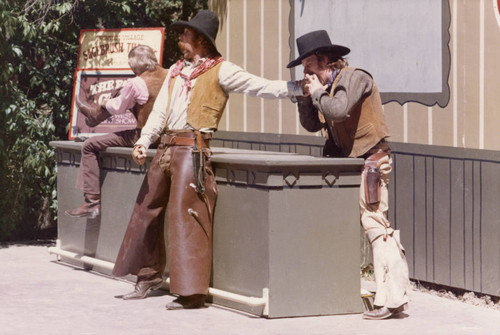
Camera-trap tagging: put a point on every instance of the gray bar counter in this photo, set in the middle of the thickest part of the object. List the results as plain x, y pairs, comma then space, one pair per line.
284, 224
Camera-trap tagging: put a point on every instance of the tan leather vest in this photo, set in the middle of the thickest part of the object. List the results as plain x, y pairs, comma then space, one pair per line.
154, 80
208, 100
365, 126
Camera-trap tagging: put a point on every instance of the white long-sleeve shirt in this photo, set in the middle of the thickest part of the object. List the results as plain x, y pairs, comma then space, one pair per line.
232, 79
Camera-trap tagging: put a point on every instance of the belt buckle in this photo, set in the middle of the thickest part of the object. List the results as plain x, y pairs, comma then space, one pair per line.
167, 140
171, 140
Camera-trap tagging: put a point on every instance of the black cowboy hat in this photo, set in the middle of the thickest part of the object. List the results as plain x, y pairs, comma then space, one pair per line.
316, 42
205, 22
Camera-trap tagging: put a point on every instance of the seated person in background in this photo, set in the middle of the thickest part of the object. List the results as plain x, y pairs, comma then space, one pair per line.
138, 94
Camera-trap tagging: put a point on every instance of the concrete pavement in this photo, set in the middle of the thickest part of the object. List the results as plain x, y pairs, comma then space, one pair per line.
39, 295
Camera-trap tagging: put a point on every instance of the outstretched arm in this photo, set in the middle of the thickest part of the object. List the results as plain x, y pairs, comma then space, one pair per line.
233, 79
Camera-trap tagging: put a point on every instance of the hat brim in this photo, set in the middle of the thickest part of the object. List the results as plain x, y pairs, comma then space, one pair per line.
180, 25
338, 50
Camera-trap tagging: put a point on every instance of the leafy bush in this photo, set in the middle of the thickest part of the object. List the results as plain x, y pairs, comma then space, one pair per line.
38, 49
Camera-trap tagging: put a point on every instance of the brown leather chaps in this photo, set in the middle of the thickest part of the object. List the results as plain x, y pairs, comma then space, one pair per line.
189, 226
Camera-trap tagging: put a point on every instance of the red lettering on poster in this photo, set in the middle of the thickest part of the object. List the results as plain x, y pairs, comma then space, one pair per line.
104, 49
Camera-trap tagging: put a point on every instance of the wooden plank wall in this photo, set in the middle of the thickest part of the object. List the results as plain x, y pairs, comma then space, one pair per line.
258, 35
446, 202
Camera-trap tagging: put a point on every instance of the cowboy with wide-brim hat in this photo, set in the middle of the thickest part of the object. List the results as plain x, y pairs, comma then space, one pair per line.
204, 22
316, 42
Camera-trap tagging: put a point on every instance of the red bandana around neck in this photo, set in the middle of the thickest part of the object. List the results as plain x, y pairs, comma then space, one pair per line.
200, 69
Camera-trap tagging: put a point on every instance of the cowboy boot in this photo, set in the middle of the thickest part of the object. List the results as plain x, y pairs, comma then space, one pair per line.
90, 208
380, 313
194, 301
142, 288
94, 113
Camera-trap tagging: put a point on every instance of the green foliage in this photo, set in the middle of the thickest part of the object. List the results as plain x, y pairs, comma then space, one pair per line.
39, 50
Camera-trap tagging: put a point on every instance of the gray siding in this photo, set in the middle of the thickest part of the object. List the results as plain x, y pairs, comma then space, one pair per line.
446, 203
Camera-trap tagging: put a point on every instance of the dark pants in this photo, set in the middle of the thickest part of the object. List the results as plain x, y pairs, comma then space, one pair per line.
88, 175
142, 252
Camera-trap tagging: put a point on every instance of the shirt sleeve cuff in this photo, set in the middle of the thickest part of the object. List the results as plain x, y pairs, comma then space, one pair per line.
143, 141
294, 89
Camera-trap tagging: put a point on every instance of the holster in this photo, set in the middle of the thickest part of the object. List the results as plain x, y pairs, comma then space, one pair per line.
372, 178
201, 153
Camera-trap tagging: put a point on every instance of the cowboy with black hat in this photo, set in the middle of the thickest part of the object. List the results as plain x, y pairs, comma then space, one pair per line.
344, 103
188, 109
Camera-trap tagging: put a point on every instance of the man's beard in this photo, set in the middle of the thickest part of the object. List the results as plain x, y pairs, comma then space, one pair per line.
183, 49
181, 46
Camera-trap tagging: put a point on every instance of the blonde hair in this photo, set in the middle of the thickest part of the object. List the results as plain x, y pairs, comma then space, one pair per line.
338, 64
141, 59
334, 62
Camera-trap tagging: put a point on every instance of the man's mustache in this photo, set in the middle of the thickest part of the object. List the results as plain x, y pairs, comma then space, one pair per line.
304, 80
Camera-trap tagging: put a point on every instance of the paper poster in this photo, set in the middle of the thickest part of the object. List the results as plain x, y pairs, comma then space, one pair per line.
103, 69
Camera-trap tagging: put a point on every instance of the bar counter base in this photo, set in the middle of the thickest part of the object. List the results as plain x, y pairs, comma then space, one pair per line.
286, 227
